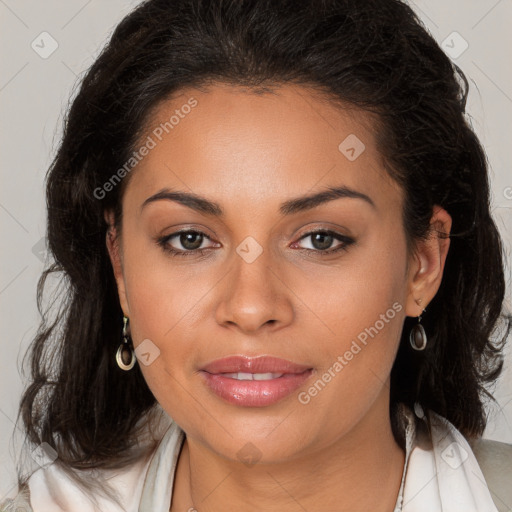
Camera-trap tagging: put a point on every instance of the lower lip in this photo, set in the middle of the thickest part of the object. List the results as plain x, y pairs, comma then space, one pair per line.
255, 393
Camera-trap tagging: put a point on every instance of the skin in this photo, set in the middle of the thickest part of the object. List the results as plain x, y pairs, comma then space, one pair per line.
249, 153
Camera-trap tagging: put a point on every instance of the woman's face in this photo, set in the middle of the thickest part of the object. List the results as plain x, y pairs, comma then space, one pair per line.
331, 305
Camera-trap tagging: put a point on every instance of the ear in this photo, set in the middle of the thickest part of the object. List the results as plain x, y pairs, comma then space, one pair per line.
114, 250
426, 265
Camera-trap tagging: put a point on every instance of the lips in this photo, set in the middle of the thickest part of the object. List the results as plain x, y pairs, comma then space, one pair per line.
262, 364
254, 381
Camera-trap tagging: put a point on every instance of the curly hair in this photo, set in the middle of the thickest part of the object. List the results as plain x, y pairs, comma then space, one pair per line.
373, 55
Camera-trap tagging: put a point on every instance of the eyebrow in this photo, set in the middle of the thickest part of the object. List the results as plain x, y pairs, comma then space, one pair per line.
290, 207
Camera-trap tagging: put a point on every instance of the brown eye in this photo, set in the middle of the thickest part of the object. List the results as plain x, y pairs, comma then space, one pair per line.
322, 241
191, 240
184, 243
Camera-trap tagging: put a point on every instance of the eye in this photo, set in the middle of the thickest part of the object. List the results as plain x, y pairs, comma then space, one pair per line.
191, 243
322, 240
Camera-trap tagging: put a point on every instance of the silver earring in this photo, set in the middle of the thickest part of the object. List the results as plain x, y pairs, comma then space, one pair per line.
418, 336
125, 356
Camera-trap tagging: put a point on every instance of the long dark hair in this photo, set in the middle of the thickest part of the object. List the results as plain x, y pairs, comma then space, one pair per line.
372, 54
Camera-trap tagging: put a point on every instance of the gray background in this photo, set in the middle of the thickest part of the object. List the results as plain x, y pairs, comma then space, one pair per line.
33, 96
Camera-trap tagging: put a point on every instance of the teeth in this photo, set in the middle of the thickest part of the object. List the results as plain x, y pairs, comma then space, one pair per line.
252, 376
266, 376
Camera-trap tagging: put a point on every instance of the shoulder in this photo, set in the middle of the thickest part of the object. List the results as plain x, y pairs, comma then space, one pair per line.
489, 461
56, 489
447, 471
495, 461
492, 454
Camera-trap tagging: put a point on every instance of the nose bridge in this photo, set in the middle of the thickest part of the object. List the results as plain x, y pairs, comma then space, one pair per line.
254, 295
253, 267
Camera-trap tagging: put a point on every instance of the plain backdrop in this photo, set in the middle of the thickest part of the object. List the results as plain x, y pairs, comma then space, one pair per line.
34, 89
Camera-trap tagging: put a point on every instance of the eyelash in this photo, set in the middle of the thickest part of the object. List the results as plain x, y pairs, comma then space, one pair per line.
163, 243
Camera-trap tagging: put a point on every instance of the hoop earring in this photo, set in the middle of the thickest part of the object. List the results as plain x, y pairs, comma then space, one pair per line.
125, 356
418, 336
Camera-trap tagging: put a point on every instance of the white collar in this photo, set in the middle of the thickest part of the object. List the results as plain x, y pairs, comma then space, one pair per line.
441, 473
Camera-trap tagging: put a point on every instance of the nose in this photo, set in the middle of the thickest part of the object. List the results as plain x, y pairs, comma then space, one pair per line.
254, 296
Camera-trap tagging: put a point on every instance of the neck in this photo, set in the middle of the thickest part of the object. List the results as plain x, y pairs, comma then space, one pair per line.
362, 470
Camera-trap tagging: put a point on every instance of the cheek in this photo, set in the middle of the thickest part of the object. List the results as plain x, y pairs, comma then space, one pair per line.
158, 299
162, 304
160, 292
374, 297
365, 315
363, 288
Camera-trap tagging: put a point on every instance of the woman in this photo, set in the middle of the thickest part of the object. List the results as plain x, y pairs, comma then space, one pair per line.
273, 222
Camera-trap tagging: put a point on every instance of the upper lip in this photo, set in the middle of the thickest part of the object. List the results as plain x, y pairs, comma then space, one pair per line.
260, 364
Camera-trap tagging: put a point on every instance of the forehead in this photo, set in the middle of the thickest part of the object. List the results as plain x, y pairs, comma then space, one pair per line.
241, 148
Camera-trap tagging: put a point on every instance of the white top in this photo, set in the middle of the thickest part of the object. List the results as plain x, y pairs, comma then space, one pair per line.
441, 474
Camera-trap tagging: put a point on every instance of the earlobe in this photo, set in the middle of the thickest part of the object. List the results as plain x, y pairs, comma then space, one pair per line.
427, 270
